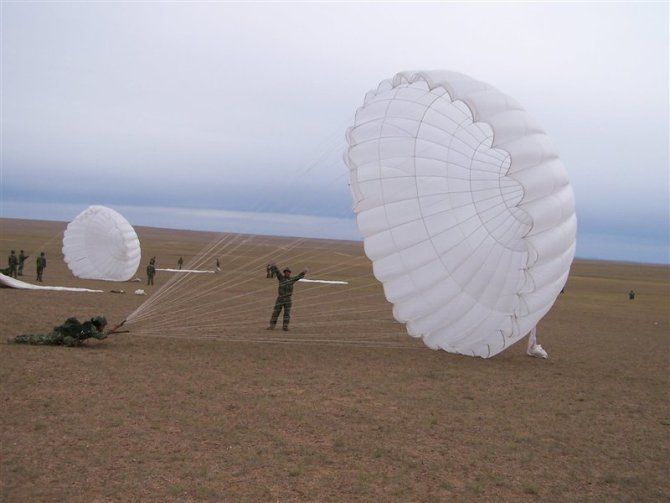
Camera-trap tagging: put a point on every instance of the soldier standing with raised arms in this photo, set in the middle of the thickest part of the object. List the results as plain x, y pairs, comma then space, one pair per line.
285, 292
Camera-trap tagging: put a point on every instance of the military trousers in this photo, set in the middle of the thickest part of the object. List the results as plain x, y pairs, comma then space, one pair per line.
285, 304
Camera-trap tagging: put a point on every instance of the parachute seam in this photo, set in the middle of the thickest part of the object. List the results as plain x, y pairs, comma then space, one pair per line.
381, 185
438, 213
468, 294
445, 251
409, 119
447, 91
416, 186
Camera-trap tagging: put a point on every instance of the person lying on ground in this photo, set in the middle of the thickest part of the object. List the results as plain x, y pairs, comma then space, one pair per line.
71, 333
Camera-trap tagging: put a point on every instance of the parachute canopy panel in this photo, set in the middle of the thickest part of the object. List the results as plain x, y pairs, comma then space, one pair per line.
100, 244
465, 209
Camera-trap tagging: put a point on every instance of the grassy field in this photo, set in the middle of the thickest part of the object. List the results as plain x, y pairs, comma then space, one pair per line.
200, 402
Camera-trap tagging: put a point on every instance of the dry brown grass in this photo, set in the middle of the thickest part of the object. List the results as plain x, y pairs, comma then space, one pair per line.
154, 419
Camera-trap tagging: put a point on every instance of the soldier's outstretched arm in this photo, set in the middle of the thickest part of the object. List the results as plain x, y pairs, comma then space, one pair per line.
279, 275
98, 335
300, 276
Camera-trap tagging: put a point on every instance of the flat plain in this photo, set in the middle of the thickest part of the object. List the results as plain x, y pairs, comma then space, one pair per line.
198, 402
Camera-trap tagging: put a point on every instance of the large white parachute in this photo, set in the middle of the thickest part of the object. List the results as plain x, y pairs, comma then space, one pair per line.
100, 244
465, 208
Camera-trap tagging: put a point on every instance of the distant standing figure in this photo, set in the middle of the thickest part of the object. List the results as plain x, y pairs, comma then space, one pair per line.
631, 295
180, 262
13, 263
151, 272
268, 271
22, 259
218, 265
285, 292
41, 263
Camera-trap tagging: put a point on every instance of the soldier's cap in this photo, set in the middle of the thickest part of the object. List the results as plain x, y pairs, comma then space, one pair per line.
287, 270
99, 320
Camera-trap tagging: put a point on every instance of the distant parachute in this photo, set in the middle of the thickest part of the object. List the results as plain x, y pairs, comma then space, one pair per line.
100, 244
465, 208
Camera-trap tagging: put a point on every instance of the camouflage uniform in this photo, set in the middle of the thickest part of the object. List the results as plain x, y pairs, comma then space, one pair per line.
41, 264
269, 272
151, 271
12, 262
71, 333
284, 297
22, 259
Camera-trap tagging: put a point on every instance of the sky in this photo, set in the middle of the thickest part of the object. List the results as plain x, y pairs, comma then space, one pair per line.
231, 116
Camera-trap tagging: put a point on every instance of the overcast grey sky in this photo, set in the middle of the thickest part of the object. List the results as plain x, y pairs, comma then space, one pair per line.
226, 106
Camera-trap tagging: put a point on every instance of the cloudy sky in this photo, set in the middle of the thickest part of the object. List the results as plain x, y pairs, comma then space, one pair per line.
195, 114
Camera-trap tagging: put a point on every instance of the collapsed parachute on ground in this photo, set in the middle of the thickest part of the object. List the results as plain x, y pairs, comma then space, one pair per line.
9, 282
100, 244
465, 208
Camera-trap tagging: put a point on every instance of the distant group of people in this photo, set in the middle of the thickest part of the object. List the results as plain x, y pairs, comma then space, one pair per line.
151, 268
217, 264
73, 333
16, 263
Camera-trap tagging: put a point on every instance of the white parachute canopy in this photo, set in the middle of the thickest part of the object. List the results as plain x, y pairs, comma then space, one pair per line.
100, 244
465, 208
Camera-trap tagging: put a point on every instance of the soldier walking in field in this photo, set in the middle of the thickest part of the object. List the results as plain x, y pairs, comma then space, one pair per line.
268, 271
631, 295
151, 271
41, 264
285, 292
180, 263
22, 259
71, 333
12, 263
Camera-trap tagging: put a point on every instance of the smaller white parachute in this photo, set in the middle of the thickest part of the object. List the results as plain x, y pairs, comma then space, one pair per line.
100, 244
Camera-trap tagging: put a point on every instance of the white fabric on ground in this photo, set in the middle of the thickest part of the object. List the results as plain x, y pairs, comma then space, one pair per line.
328, 282
194, 271
8, 282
